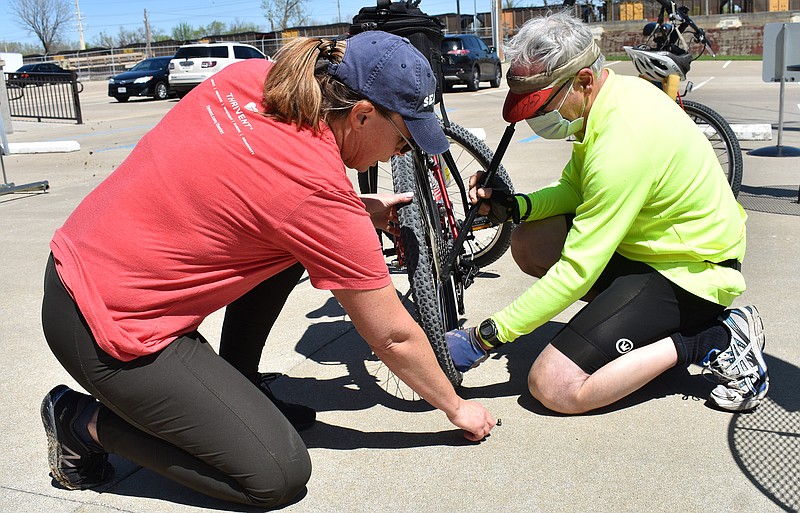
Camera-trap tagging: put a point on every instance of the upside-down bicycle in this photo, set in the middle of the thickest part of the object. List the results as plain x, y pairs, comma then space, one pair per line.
439, 266
443, 243
665, 59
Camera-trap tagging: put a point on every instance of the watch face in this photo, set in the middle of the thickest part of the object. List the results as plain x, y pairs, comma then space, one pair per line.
488, 331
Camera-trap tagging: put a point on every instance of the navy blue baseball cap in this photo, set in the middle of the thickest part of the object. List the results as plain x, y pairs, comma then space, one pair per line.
388, 70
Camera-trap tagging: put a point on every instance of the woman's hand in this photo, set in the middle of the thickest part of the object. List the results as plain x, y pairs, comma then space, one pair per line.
382, 209
473, 418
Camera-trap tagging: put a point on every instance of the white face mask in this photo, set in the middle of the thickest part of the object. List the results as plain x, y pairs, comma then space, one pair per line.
552, 125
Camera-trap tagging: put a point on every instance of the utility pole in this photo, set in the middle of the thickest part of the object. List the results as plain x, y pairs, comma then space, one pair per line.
147, 50
500, 31
80, 24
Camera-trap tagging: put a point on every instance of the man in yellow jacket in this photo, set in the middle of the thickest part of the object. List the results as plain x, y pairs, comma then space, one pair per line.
642, 225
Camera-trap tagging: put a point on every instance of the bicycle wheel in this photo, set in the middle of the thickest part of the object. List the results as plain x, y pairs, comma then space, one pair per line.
722, 139
426, 242
467, 156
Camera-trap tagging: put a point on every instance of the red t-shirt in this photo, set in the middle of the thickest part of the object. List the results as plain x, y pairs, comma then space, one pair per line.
212, 201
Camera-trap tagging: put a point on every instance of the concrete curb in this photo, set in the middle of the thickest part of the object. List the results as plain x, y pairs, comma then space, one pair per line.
43, 147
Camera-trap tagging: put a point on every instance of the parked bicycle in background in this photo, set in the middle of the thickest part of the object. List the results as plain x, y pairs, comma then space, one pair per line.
665, 58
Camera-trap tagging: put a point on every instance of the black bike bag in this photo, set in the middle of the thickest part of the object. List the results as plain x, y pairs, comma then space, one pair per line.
407, 20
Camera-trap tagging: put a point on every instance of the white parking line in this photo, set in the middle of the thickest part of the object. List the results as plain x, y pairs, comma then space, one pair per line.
701, 84
726, 65
491, 91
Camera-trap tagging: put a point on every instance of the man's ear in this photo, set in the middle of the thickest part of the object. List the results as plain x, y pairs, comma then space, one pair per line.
586, 79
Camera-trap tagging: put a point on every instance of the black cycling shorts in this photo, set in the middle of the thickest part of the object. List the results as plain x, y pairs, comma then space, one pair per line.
635, 306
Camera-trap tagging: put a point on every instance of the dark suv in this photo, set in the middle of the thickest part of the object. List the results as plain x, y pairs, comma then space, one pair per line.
467, 60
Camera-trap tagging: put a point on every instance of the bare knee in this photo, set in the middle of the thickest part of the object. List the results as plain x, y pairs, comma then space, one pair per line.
537, 245
557, 383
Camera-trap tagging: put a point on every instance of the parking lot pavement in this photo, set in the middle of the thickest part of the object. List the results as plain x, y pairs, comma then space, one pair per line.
663, 449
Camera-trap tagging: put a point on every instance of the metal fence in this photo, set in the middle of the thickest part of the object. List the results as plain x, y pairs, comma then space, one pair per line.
103, 63
44, 96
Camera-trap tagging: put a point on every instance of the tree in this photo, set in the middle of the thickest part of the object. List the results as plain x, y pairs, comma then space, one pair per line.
124, 37
183, 32
238, 26
282, 14
214, 28
104, 40
23, 48
45, 18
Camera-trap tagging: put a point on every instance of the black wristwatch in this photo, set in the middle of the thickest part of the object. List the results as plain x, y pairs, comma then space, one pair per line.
488, 332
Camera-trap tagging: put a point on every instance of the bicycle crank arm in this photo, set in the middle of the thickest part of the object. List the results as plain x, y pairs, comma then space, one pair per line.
473, 211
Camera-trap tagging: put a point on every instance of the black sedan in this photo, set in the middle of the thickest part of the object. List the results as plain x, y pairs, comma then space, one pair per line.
149, 77
41, 73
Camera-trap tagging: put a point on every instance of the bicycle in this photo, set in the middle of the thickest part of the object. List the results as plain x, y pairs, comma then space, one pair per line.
443, 243
664, 58
430, 226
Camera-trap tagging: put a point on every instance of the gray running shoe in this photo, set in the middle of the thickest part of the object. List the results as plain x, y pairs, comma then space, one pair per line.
73, 464
740, 368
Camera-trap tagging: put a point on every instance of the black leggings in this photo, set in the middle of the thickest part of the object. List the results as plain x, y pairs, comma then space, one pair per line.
183, 412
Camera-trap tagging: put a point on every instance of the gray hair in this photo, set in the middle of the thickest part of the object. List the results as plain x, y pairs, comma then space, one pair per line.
551, 41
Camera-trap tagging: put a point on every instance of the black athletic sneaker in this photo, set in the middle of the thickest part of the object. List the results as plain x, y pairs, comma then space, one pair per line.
73, 464
301, 417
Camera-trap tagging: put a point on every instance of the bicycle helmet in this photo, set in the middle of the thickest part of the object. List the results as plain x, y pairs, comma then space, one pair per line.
658, 64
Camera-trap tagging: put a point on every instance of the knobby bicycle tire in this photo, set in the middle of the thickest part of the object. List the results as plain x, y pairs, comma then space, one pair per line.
722, 138
426, 243
483, 250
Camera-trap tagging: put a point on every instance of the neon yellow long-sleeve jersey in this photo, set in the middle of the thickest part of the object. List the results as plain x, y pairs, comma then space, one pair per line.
646, 183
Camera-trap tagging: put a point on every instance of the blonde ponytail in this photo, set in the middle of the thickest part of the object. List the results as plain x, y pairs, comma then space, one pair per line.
299, 92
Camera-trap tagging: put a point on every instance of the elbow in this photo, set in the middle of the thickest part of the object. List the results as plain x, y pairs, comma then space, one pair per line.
384, 346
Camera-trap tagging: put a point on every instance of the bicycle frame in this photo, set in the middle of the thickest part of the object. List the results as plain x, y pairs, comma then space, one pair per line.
430, 173
668, 34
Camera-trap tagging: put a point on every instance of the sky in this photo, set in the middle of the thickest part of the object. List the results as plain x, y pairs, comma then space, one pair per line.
109, 15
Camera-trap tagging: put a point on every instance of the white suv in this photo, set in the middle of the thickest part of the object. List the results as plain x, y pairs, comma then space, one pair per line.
195, 62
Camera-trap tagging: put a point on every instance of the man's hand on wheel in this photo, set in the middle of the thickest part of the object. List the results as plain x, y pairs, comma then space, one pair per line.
465, 348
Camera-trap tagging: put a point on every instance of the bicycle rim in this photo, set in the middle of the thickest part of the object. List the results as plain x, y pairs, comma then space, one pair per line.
470, 155
722, 139
426, 240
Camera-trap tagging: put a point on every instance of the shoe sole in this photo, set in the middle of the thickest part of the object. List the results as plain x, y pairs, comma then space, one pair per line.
758, 325
54, 454
748, 404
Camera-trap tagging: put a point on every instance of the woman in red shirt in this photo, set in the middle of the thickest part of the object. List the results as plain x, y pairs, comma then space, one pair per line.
238, 190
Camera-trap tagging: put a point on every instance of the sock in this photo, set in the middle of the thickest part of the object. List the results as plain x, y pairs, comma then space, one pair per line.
699, 345
81, 426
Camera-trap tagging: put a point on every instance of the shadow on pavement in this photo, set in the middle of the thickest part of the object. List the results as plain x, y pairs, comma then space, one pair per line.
150, 485
327, 436
766, 442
